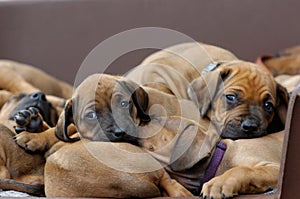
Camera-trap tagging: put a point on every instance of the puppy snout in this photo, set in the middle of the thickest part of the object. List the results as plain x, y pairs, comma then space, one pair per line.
38, 96
249, 125
117, 132
22, 117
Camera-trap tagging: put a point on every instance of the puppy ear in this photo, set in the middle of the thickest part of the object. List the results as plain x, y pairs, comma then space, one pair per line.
139, 97
282, 102
64, 120
282, 95
192, 146
203, 89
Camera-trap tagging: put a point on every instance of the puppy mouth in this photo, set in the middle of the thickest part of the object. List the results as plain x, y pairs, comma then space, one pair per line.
115, 132
118, 133
235, 132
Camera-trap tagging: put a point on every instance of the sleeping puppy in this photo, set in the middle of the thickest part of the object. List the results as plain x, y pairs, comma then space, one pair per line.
285, 66
286, 62
108, 108
20, 170
21, 78
241, 98
175, 67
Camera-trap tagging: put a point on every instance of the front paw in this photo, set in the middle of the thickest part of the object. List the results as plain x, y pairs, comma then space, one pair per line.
219, 188
31, 142
28, 120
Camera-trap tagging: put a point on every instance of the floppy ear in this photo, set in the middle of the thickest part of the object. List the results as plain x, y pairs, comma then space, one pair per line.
139, 97
203, 89
282, 102
192, 146
64, 120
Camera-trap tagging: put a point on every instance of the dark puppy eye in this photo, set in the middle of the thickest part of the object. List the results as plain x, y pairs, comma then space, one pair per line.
125, 104
268, 106
91, 115
231, 99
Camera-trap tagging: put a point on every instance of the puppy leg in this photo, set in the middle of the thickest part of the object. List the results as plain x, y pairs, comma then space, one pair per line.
9, 184
241, 180
172, 187
4, 173
37, 142
14, 82
4, 97
31, 179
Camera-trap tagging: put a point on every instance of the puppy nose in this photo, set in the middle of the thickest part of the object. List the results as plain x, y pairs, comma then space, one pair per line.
38, 96
249, 126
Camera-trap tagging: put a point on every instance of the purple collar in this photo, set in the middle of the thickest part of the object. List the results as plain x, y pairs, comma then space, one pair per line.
214, 163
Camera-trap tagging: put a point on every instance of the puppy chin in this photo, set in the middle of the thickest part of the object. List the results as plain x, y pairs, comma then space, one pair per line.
234, 134
113, 137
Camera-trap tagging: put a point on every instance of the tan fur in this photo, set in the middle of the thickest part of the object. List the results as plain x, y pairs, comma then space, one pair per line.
66, 175
175, 67
21, 78
287, 62
248, 165
104, 92
160, 104
19, 170
180, 69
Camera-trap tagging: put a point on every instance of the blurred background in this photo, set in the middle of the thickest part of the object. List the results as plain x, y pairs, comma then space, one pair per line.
56, 35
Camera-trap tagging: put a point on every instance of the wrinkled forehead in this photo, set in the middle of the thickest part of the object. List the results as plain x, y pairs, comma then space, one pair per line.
94, 88
252, 79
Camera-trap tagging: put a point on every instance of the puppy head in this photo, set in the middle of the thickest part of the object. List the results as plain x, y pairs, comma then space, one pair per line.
105, 108
241, 100
24, 101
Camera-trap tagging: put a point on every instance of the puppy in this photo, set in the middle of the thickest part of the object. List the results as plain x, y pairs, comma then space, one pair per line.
186, 149
20, 170
109, 108
105, 108
104, 169
285, 66
183, 147
240, 98
285, 62
175, 67
263, 155
21, 78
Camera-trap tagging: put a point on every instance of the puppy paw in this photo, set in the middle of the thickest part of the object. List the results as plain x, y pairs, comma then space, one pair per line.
219, 188
31, 142
28, 120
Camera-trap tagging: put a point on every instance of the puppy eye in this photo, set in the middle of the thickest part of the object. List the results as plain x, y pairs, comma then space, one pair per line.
268, 106
125, 104
230, 98
91, 115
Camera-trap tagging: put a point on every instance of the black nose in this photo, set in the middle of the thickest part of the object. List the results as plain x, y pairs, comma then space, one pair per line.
38, 96
249, 125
